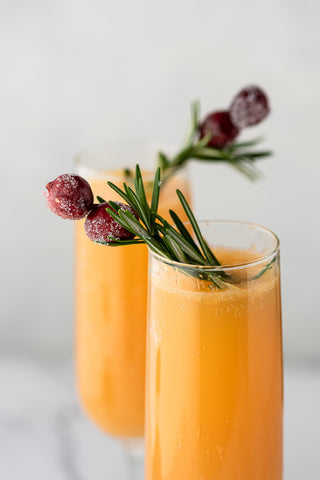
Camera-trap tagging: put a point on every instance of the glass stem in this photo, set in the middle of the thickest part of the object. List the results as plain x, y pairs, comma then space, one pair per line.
134, 461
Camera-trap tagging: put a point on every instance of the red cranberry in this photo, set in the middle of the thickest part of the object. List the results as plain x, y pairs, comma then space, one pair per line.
220, 126
69, 196
99, 225
249, 107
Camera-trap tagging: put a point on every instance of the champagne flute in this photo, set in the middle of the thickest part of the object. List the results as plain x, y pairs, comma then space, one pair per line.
214, 361
111, 304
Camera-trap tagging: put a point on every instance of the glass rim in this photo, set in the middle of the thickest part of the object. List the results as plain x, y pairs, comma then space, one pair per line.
218, 268
82, 157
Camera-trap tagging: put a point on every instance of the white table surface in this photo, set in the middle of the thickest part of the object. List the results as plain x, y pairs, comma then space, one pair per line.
45, 436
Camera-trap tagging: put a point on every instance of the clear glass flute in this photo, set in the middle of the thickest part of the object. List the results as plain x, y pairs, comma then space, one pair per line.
214, 362
111, 306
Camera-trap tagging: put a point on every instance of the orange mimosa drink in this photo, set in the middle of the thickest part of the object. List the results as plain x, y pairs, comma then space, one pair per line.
111, 312
214, 363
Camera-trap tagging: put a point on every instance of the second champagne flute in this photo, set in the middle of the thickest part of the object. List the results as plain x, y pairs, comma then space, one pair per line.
111, 302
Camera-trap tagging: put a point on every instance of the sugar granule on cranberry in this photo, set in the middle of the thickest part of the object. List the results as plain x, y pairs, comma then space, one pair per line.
220, 126
249, 107
69, 196
99, 225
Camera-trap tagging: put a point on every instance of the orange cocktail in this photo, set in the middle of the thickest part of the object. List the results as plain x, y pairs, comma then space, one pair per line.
111, 310
214, 365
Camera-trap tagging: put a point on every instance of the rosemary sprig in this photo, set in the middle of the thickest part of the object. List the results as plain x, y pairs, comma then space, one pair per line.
238, 155
265, 269
173, 243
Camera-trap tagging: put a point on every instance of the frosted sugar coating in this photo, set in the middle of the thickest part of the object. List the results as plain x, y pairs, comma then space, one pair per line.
69, 196
99, 225
249, 107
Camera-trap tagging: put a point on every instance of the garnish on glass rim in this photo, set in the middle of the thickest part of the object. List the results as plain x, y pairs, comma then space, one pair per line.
213, 139
117, 224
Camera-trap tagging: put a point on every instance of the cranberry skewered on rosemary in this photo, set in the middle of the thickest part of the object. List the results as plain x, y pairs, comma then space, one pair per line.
117, 224
213, 138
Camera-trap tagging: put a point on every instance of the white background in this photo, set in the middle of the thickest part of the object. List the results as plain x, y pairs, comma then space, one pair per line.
81, 72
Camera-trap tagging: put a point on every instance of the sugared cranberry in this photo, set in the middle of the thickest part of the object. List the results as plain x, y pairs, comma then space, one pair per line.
99, 225
220, 126
249, 107
69, 196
